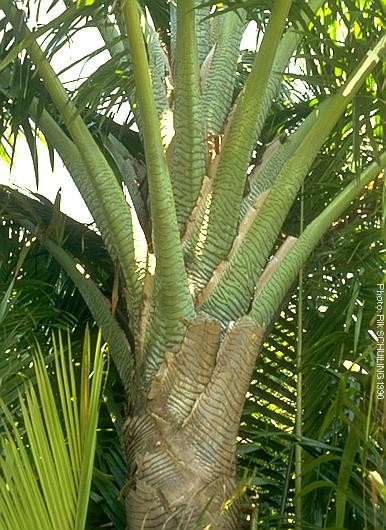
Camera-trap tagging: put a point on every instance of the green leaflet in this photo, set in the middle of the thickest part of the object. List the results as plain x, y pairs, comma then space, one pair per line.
351, 448
46, 468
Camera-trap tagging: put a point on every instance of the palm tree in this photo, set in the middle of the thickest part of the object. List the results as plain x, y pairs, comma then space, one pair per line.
218, 161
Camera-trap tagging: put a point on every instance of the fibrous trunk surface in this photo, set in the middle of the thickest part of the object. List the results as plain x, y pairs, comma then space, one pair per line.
181, 445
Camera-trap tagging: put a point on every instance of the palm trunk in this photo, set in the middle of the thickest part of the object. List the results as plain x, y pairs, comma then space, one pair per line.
181, 440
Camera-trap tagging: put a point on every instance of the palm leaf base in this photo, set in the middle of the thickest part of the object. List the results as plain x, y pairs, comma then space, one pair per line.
181, 439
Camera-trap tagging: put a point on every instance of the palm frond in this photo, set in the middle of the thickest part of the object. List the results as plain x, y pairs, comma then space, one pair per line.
46, 464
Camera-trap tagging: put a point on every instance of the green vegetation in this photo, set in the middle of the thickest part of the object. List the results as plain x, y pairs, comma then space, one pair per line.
234, 291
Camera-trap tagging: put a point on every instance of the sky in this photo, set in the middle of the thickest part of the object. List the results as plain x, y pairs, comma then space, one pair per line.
22, 173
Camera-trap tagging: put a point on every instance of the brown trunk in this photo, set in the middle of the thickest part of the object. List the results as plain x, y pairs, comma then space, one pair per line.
181, 445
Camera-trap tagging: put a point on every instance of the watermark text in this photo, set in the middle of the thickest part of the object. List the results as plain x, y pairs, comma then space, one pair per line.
380, 333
